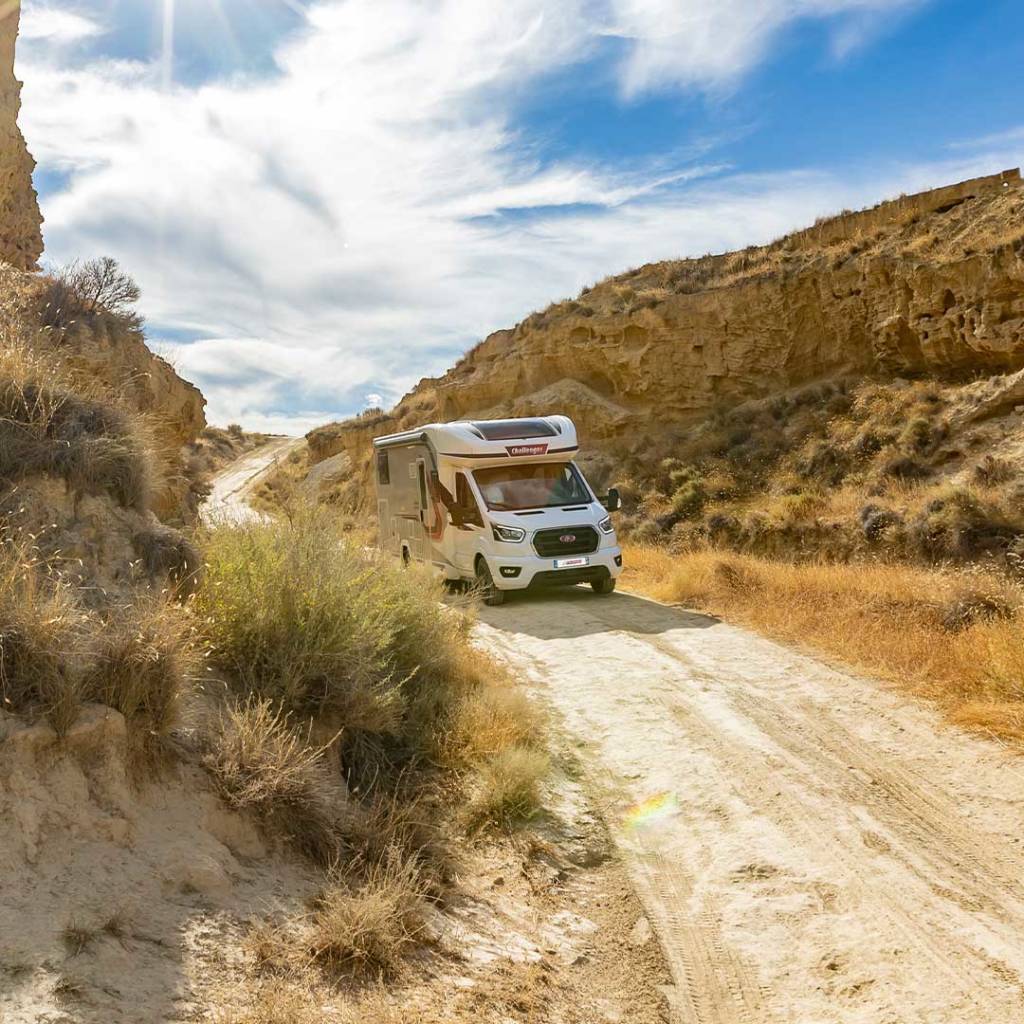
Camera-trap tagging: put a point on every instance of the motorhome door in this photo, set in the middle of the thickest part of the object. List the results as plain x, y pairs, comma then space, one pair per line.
423, 501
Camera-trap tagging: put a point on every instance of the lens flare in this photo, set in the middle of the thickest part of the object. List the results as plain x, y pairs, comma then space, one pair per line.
651, 811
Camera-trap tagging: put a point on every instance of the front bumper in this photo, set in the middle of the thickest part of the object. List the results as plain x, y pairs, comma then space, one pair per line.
535, 571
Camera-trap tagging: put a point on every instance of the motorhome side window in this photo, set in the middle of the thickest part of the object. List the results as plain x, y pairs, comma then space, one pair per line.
383, 468
466, 502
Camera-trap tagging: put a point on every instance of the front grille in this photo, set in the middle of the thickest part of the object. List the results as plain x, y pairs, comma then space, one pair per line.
550, 543
569, 577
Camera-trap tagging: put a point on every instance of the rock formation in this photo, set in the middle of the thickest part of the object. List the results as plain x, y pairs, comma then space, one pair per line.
931, 283
20, 240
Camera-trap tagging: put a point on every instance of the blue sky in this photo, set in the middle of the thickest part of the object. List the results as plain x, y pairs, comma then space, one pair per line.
324, 200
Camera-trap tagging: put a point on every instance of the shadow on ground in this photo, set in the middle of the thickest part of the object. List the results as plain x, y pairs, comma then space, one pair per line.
576, 611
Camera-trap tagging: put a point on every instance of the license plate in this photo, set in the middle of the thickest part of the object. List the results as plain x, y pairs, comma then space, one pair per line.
571, 563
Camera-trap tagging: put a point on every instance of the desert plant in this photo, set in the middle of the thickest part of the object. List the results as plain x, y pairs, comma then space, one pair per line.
367, 923
264, 765
47, 427
168, 554
508, 787
142, 662
43, 636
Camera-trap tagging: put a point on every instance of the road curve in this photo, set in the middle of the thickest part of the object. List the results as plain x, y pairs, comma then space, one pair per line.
811, 847
227, 498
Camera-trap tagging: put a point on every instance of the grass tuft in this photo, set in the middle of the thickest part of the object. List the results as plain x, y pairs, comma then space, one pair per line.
509, 787
264, 765
368, 924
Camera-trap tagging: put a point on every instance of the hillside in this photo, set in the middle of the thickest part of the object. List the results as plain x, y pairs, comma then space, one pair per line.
924, 285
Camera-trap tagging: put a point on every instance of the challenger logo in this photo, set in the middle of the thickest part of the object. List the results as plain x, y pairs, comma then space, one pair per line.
567, 538
526, 449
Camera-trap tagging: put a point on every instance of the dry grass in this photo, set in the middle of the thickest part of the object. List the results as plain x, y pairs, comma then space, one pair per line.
43, 638
137, 658
952, 636
50, 427
509, 786
367, 923
265, 766
142, 664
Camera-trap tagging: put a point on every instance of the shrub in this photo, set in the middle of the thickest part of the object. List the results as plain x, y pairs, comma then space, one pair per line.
368, 923
875, 521
142, 664
906, 467
301, 615
82, 291
265, 766
959, 524
509, 786
689, 499
168, 553
47, 428
992, 471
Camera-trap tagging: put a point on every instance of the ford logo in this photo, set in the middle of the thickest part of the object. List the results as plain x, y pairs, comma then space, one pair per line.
567, 538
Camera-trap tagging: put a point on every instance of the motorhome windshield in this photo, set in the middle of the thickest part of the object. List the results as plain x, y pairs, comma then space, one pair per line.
532, 485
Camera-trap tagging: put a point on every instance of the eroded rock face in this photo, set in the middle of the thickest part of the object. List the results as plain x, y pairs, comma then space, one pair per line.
21, 241
932, 283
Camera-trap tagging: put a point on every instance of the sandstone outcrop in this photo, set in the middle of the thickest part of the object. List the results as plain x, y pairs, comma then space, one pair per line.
925, 284
21, 242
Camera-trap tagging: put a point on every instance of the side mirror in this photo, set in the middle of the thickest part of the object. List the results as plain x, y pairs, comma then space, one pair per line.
611, 501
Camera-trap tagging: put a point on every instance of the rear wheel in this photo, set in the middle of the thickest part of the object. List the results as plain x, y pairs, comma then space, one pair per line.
603, 586
485, 584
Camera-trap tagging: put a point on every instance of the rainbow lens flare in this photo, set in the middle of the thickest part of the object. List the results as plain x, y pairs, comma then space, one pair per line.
650, 811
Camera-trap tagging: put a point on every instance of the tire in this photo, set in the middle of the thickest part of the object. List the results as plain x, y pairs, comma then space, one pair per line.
485, 585
604, 587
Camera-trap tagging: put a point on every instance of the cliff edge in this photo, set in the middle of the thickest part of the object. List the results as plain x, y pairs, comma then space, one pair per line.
21, 241
931, 283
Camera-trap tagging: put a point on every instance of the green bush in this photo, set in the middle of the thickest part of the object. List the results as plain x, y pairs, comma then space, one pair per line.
299, 614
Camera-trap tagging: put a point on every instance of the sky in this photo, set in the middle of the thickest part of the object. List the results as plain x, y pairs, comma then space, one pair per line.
325, 200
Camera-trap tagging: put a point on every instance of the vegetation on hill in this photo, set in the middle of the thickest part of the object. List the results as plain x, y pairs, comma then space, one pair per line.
327, 695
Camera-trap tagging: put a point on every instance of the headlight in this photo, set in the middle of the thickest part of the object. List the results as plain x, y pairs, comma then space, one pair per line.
606, 525
509, 534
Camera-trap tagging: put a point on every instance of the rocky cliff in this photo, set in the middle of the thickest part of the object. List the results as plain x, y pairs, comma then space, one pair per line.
20, 240
925, 284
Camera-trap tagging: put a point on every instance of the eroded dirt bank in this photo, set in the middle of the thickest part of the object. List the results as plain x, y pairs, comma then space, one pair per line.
810, 847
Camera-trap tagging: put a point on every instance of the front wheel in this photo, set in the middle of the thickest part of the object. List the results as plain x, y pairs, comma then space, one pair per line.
603, 586
485, 584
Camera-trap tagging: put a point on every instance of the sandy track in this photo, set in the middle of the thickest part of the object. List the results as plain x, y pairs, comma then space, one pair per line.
817, 849
227, 499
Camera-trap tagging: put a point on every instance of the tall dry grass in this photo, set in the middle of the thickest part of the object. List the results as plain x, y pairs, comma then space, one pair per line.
52, 426
44, 636
265, 766
953, 636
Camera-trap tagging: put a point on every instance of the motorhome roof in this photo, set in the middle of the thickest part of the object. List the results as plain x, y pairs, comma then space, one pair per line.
492, 439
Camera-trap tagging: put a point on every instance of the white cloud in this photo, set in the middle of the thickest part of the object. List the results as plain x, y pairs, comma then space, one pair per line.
676, 43
55, 25
332, 231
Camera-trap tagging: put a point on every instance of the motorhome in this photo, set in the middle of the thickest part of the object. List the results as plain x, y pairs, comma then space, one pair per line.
497, 502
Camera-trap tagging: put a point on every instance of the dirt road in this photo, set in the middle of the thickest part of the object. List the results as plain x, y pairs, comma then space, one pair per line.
227, 500
810, 847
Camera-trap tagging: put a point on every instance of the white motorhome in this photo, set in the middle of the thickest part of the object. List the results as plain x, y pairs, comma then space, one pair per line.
498, 502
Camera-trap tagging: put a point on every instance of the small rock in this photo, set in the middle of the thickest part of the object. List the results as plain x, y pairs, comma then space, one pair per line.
641, 933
